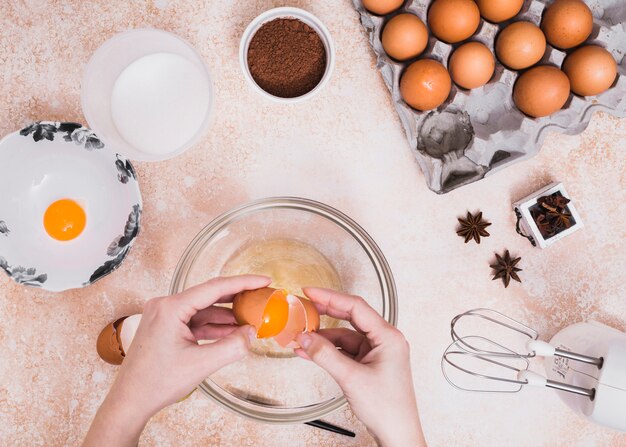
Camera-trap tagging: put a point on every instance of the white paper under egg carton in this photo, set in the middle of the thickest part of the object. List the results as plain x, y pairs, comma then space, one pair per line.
478, 132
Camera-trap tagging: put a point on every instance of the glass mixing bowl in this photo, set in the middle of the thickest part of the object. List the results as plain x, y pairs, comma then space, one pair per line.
298, 242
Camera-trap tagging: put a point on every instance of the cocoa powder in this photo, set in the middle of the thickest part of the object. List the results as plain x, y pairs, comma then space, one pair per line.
286, 58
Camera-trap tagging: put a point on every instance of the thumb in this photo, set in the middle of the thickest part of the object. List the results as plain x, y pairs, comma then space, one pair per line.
324, 353
227, 350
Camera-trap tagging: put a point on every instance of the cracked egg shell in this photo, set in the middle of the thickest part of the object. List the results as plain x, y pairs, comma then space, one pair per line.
296, 323
115, 337
266, 309
276, 313
311, 314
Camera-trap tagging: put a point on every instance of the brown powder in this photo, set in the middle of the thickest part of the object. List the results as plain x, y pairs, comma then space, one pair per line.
287, 58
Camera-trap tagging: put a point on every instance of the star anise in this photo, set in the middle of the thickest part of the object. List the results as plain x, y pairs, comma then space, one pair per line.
473, 227
545, 227
506, 269
553, 201
561, 218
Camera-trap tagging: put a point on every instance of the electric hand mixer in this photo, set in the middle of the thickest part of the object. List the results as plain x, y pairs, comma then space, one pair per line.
585, 360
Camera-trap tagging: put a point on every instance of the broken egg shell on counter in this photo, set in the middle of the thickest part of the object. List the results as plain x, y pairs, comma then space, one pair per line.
302, 316
116, 337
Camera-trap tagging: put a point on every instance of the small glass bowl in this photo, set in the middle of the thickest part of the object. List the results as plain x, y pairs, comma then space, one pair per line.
109, 61
285, 389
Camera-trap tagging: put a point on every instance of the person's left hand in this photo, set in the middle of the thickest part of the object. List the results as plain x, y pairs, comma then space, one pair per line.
165, 361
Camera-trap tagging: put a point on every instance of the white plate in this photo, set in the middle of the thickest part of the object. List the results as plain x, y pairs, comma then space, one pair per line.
48, 161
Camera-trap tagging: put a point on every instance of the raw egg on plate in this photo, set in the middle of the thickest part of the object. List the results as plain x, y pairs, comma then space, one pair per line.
64, 220
276, 313
567, 23
520, 45
425, 84
472, 65
382, 7
497, 11
591, 70
405, 36
541, 91
453, 20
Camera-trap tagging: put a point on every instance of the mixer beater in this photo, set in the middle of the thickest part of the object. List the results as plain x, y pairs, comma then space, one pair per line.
594, 378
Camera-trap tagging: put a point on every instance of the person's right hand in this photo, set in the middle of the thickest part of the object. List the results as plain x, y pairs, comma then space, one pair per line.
371, 366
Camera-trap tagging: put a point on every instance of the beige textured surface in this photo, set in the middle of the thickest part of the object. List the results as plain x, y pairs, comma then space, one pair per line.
345, 148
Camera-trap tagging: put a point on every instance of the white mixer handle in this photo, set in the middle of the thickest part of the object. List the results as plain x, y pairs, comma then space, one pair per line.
544, 349
532, 378
540, 348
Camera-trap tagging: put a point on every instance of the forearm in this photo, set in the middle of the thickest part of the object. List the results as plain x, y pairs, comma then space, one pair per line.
117, 422
405, 429
413, 438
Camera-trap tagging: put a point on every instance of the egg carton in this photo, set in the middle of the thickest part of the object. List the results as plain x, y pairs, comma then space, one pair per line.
479, 132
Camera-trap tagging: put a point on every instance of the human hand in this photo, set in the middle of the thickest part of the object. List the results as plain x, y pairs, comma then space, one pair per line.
371, 366
165, 361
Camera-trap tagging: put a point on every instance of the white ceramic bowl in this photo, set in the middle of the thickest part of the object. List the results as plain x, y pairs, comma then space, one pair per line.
104, 68
294, 13
48, 161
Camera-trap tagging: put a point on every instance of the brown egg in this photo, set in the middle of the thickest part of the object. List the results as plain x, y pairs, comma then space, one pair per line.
425, 84
382, 7
497, 11
541, 91
277, 314
453, 20
471, 65
405, 36
591, 70
520, 45
567, 23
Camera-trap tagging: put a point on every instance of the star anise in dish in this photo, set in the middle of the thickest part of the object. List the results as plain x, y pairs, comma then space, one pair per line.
543, 224
552, 214
505, 268
553, 201
473, 227
561, 218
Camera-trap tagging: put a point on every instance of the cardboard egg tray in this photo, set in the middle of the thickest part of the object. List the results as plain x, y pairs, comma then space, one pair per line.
478, 132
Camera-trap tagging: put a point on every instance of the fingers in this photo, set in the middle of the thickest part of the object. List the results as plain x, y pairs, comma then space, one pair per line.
203, 295
212, 331
324, 353
213, 315
344, 338
351, 308
229, 349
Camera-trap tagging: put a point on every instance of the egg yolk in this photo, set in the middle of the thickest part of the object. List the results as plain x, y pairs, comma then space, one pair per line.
64, 220
275, 315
